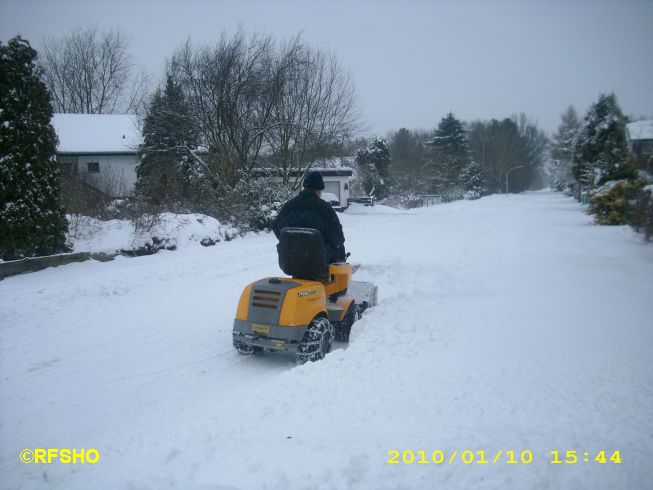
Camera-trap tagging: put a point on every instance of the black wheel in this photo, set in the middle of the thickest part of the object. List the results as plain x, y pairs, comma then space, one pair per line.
246, 350
317, 341
343, 328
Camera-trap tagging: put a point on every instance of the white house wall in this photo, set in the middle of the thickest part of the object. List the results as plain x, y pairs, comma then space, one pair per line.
342, 181
121, 167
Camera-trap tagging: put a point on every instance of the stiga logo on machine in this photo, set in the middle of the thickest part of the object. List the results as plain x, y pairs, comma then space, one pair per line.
306, 293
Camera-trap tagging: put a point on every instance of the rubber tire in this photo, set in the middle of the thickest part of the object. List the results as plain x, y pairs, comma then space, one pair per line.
343, 329
247, 350
317, 341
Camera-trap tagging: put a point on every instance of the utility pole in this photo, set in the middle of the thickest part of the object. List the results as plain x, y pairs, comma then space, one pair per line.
508, 172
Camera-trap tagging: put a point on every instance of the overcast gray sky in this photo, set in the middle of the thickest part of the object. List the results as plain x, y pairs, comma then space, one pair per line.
412, 61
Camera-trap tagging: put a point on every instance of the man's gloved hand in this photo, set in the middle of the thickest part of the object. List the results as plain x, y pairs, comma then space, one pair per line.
340, 253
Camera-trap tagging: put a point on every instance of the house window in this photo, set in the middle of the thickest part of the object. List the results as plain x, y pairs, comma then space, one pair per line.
333, 187
646, 148
93, 167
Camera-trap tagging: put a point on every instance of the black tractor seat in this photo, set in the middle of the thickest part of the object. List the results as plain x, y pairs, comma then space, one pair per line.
302, 254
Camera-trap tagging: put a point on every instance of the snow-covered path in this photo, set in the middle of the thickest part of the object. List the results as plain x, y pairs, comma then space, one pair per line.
509, 323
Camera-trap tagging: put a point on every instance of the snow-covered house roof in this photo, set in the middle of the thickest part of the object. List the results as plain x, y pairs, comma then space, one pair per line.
335, 162
640, 130
298, 172
328, 167
97, 133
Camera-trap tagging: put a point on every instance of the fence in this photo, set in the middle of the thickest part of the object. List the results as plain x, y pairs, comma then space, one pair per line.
32, 264
366, 200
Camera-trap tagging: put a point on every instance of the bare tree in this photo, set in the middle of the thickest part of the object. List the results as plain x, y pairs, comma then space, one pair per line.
317, 110
231, 89
91, 72
253, 101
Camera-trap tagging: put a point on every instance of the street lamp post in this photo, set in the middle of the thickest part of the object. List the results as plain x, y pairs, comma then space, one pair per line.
508, 172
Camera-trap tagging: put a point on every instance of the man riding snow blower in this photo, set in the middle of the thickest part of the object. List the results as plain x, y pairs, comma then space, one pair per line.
319, 302
308, 210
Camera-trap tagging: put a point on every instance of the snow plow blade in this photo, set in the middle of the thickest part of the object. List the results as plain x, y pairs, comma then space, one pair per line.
364, 294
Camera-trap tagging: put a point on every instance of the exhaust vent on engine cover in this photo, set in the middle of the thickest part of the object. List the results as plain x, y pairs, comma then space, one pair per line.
266, 300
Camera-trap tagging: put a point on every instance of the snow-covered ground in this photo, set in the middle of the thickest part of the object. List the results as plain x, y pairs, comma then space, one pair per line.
508, 323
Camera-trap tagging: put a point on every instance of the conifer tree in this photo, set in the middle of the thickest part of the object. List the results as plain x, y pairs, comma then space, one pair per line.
450, 154
562, 150
601, 147
32, 217
168, 139
472, 180
406, 172
373, 163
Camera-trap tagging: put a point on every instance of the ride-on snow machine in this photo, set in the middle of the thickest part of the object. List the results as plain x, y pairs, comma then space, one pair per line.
305, 312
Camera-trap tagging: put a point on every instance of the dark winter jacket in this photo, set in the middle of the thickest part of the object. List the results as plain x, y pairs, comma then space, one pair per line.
306, 210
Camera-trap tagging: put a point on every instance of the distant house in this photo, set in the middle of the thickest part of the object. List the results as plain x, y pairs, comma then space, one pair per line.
640, 138
102, 144
106, 146
337, 180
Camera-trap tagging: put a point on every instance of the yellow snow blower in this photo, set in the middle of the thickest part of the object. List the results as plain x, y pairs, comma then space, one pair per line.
306, 312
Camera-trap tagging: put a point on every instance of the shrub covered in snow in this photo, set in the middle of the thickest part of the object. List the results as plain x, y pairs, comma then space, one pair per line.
472, 194
405, 200
264, 199
170, 231
620, 202
150, 233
